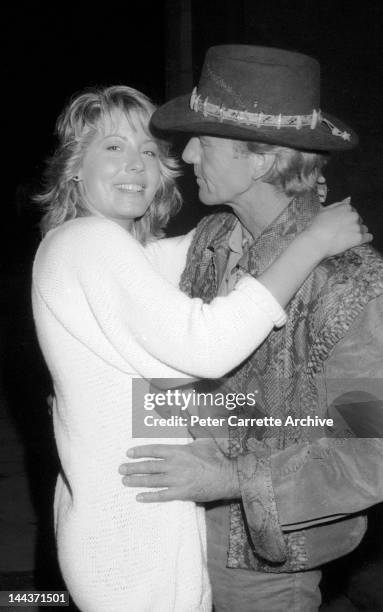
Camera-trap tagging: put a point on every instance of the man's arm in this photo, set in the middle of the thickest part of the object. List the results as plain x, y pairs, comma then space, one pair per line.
306, 482
336, 476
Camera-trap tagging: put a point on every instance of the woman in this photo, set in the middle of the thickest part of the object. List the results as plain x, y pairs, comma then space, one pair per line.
104, 316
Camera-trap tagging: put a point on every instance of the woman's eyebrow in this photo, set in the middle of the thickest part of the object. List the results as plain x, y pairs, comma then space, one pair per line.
116, 135
149, 139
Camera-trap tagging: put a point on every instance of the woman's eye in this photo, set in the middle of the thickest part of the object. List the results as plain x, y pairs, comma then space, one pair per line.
150, 153
113, 148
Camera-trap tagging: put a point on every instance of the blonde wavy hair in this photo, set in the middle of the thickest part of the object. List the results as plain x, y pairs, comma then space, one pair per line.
293, 172
62, 197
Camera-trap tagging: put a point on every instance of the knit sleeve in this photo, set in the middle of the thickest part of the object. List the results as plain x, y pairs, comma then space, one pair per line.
94, 263
168, 256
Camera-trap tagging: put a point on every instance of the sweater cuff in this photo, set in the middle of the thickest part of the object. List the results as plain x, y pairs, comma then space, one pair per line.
259, 504
264, 299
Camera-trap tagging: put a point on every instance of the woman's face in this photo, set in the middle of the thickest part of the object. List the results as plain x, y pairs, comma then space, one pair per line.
120, 172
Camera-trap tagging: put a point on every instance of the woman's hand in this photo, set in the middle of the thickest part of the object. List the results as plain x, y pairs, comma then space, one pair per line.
336, 228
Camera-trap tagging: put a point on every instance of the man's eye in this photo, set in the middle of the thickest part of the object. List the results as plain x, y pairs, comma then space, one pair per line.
113, 148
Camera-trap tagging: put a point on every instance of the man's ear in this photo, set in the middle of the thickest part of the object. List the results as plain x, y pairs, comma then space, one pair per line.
262, 163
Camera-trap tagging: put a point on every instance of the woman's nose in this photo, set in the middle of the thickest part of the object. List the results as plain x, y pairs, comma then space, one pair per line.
191, 151
134, 161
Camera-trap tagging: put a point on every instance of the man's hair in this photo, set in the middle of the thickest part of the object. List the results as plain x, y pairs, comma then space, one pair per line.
293, 172
63, 198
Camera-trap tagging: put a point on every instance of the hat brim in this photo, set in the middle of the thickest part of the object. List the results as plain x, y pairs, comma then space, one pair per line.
177, 116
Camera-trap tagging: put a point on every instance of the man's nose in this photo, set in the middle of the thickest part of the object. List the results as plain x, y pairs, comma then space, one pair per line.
190, 153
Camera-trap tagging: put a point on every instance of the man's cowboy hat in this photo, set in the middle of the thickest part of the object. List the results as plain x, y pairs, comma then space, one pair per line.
261, 94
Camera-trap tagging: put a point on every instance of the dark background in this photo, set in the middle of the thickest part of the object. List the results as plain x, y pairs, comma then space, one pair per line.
53, 49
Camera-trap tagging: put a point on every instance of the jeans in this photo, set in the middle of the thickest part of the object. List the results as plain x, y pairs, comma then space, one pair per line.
243, 590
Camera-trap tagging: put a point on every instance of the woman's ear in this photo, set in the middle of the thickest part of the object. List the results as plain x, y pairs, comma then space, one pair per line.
78, 176
262, 163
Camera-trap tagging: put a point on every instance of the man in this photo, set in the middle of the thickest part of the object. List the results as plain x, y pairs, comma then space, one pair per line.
258, 143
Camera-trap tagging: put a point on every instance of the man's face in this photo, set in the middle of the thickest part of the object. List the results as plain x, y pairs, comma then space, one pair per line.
223, 169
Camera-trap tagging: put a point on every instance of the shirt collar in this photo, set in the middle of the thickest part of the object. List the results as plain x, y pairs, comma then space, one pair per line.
239, 239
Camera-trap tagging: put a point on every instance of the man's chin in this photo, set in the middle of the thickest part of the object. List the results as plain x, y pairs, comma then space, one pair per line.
208, 199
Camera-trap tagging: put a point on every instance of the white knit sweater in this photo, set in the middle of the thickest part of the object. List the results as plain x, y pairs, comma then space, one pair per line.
103, 316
